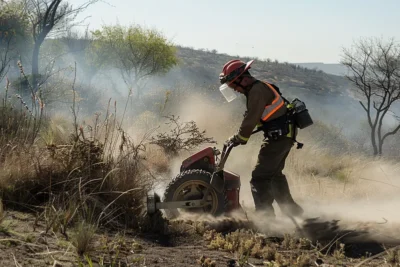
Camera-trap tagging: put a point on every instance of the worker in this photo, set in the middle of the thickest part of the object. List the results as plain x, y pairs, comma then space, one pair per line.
266, 110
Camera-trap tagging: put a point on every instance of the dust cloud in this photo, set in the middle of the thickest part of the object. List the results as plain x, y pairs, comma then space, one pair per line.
352, 188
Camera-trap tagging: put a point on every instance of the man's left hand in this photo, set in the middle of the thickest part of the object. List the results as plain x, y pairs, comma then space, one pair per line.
236, 140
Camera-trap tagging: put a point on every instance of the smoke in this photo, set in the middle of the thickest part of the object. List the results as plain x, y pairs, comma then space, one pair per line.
346, 186
343, 185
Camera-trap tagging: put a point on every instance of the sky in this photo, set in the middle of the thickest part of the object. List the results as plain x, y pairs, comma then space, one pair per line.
296, 31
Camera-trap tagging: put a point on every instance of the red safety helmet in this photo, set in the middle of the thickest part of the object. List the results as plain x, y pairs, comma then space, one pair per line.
232, 70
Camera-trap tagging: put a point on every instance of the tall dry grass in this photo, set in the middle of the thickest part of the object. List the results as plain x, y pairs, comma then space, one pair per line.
348, 185
71, 171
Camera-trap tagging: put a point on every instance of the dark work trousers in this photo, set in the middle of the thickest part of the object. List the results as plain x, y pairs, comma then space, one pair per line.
268, 183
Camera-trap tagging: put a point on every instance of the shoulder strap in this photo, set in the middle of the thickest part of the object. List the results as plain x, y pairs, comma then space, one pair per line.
279, 92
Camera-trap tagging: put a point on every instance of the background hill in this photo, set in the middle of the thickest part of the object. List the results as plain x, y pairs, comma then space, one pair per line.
202, 67
324, 93
335, 69
327, 96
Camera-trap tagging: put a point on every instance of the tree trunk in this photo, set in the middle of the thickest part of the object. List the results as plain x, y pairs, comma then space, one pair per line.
380, 146
373, 141
137, 89
35, 65
35, 59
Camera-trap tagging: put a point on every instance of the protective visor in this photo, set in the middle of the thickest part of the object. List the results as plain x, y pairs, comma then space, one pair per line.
228, 92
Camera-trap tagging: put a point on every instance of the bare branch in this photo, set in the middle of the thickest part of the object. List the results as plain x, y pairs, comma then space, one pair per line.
183, 136
391, 132
362, 104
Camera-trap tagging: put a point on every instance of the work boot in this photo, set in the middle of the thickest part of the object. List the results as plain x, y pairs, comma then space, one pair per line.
262, 198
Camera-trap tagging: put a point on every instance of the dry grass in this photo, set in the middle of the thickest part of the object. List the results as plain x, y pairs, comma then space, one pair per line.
83, 237
206, 262
247, 244
286, 251
2, 215
91, 169
157, 160
303, 260
393, 257
315, 172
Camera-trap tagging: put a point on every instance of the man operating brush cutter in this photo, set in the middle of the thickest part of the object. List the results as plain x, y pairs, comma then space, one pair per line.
270, 112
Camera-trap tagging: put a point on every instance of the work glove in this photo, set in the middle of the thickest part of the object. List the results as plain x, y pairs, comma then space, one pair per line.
236, 140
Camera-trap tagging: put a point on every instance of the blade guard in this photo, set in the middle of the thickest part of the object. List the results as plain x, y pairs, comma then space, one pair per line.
152, 200
217, 178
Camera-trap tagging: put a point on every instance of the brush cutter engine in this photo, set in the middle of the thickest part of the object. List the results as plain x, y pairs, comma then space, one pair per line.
202, 186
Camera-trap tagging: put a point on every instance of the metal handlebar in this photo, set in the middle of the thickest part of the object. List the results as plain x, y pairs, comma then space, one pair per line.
226, 150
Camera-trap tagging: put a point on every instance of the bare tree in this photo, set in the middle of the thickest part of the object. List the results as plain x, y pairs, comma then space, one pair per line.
5, 52
374, 67
49, 17
12, 32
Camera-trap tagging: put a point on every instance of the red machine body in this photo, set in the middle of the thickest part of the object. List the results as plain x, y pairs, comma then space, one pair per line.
206, 160
232, 190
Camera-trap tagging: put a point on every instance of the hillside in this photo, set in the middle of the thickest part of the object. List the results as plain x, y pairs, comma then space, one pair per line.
198, 70
202, 67
326, 95
335, 69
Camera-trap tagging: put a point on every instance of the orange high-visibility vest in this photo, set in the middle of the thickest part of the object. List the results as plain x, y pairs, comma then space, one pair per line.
276, 104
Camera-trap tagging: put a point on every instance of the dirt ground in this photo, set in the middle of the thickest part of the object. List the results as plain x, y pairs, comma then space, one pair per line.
23, 242
22, 245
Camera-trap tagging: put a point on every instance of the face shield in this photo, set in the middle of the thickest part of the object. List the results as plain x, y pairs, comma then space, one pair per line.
228, 92
225, 90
